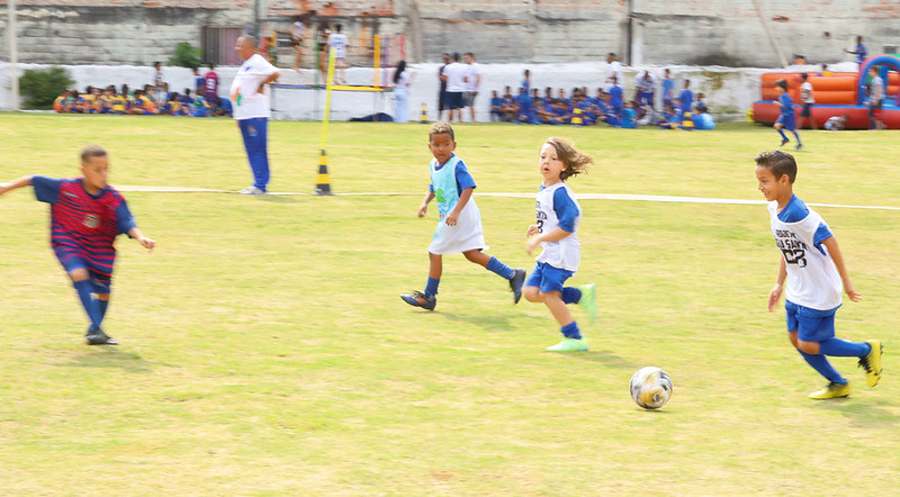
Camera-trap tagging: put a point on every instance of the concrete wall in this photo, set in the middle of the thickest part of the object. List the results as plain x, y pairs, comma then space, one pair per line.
662, 32
730, 91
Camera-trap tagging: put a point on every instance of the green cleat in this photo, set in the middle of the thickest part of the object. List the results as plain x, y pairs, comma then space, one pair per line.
588, 301
569, 345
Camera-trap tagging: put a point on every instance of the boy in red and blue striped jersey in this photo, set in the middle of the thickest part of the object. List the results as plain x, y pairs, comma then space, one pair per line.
86, 216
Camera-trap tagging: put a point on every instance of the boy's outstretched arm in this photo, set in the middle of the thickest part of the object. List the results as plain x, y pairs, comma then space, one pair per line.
423, 209
460, 204
775, 294
551, 236
138, 235
835, 251
19, 183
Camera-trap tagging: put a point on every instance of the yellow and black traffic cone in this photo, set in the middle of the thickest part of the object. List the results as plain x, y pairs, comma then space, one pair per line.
423, 114
323, 180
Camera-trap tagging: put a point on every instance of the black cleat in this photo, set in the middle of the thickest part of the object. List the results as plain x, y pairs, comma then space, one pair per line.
100, 338
515, 284
419, 299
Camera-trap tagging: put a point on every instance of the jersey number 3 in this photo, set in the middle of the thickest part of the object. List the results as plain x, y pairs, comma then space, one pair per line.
797, 257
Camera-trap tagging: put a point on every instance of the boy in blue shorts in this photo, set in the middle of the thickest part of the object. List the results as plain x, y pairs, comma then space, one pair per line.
813, 265
459, 222
86, 216
558, 215
786, 118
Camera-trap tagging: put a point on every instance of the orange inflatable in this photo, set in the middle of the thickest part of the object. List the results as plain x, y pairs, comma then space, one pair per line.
835, 94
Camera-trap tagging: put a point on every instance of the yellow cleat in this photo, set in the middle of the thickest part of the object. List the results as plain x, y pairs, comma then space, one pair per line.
832, 391
872, 363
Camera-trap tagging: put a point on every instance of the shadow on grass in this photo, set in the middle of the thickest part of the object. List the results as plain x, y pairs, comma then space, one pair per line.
109, 357
605, 358
863, 412
491, 322
278, 199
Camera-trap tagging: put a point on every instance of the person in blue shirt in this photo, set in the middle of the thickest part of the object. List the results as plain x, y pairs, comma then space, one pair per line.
525, 112
588, 112
668, 87
860, 51
786, 118
508, 108
616, 98
526, 81
496, 104
199, 81
548, 98
629, 116
685, 100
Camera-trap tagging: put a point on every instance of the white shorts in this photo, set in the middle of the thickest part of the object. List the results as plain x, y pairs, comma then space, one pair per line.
465, 236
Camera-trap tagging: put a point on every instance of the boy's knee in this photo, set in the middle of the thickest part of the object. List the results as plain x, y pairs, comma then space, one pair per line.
553, 295
532, 294
811, 348
79, 274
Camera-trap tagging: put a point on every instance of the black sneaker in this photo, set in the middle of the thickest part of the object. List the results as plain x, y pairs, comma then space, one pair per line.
784, 141
419, 299
100, 338
515, 284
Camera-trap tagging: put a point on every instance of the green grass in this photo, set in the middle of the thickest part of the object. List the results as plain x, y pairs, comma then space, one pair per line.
266, 352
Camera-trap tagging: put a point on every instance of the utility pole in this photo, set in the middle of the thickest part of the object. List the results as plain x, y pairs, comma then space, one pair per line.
13, 53
256, 18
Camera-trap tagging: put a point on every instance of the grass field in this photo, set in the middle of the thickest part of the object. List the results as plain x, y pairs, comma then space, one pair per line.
265, 351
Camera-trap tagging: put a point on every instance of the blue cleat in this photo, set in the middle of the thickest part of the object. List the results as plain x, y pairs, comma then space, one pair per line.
516, 283
419, 299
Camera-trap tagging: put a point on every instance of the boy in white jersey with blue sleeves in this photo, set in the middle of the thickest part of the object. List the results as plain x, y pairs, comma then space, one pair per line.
813, 265
558, 216
459, 222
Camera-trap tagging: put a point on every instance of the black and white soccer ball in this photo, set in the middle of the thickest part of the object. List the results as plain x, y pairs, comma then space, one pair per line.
651, 387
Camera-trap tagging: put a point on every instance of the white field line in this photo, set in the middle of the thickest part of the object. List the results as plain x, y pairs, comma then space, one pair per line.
580, 196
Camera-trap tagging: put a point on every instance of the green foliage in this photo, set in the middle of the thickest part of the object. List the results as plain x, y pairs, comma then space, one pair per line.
41, 86
186, 56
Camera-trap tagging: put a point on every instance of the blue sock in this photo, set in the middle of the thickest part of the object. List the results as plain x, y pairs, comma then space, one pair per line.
100, 289
820, 363
84, 289
431, 287
571, 295
844, 348
571, 331
796, 136
501, 269
783, 136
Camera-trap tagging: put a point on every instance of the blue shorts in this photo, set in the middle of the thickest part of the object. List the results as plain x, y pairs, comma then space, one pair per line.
71, 259
787, 121
811, 325
548, 278
454, 100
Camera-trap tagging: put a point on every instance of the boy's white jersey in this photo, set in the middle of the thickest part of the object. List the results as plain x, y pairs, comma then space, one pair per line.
338, 41
813, 280
566, 253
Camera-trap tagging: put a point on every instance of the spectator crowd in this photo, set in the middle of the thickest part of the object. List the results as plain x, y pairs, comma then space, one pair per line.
608, 104
153, 99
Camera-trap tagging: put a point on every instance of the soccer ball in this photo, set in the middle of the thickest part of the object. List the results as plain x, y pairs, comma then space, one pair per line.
651, 387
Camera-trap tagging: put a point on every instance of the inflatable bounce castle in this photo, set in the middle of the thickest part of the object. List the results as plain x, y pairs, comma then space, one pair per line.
836, 94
